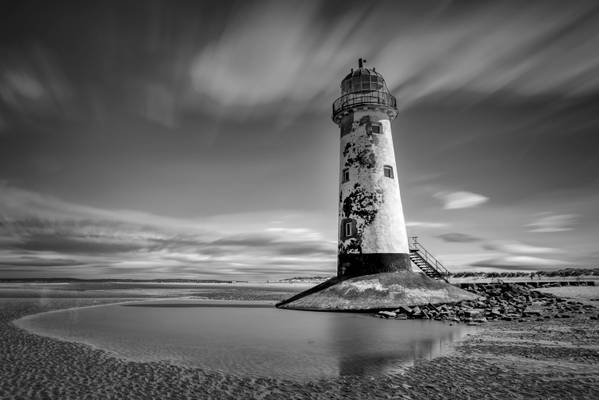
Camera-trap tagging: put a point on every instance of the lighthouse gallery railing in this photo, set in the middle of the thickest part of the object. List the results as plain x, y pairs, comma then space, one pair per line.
351, 100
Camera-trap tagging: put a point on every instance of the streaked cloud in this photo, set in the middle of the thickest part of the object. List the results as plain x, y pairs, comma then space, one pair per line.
549, 223
61, 237
520, 248
256, 54
19, 83
497, 47
457, 237
33, 85
188, 122
271, 51
279, 51
457, 200
520, 263
514, 255
426, 224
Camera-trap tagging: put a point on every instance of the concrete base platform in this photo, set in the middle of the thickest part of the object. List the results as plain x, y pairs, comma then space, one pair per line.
374, 292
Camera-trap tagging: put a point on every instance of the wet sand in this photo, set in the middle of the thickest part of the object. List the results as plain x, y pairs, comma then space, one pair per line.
554, 359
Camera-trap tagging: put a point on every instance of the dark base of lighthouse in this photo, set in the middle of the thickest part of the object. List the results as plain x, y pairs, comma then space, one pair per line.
351, 265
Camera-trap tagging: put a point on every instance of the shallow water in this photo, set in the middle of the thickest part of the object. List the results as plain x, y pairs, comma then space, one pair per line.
250, 339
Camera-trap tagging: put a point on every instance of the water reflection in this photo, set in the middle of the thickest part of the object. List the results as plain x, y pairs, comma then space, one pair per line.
251, 340
366, 350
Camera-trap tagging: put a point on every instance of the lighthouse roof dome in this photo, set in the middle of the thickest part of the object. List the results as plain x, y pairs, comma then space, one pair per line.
363, 79
359, 72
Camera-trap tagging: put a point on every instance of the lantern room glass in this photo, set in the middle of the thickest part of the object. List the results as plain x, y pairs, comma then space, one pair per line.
362, 83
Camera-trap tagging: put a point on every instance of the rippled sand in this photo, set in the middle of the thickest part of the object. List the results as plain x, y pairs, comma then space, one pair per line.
548, 360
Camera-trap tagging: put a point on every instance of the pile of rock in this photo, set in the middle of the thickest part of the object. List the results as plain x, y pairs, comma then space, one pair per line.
497, 301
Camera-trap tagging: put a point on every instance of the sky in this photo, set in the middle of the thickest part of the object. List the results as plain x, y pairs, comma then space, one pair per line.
193, 139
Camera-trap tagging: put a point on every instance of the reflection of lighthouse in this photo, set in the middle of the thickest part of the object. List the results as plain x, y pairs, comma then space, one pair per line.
372, 231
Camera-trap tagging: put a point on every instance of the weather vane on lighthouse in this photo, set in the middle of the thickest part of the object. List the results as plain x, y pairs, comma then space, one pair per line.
372, 230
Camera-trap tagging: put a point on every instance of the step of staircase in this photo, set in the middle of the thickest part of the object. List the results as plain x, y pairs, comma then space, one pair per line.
428, 269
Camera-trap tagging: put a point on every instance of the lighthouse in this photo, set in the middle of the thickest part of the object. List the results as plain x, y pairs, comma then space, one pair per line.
374, 259
372, 229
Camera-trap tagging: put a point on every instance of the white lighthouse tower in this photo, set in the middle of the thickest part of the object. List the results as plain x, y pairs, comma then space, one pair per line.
372, 229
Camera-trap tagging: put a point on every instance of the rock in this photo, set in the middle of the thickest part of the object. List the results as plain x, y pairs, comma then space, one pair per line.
509, 302
387, 314
473, 312
404, 310
531, 312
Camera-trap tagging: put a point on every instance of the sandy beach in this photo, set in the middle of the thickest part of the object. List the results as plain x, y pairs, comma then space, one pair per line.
552, 359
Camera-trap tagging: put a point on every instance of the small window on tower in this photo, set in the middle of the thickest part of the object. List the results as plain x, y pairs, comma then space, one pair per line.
345, 175
347, 229
388, 171
376, 128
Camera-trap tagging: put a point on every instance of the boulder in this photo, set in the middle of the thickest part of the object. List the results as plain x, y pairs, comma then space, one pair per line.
388, 314
404, 310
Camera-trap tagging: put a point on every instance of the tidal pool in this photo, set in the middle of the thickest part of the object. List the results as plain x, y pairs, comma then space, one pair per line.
250, 339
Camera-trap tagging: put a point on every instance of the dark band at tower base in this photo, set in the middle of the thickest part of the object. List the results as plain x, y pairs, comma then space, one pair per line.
351, 265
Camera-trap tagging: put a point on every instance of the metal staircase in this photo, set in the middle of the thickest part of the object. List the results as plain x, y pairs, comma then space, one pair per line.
426, 262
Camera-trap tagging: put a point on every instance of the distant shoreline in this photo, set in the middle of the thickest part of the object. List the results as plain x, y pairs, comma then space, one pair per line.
79, 280
586, 273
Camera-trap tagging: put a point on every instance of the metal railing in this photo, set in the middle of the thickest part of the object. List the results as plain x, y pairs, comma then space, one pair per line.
351, 100
428, 257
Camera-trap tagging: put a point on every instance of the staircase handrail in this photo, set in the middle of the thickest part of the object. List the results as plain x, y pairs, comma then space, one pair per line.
428, 257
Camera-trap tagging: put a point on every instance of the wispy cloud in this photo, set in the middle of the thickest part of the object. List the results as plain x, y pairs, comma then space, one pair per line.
457, 200
520, 248
520, 263
426, 224
497, 46
549, 223
278, 51
274, 52
62, 237
513, 255
271, 51
32, 85
457, 237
